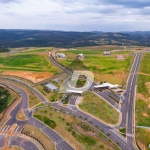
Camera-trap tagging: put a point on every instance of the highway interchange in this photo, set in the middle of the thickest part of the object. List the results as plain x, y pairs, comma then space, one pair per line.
126, 113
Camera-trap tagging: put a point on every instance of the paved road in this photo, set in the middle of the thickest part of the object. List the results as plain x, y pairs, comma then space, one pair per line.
57, 139
129, 94
2, 140
23, 143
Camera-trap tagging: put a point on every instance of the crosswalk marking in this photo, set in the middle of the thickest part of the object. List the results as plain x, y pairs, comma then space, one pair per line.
16, 128
4, 128
7, 128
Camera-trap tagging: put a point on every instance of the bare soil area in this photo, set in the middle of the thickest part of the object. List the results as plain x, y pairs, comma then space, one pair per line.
35, 77
12, 148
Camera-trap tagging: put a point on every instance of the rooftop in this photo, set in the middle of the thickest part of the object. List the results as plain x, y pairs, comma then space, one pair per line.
51, 86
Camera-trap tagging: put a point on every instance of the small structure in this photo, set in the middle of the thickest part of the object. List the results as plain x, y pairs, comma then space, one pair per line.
120, 57
60, 56
107, 85
74, 92
51, 87
80, 56
56, 80
118, 90
106, 53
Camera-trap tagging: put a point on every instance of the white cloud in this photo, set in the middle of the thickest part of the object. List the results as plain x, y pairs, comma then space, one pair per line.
74, 15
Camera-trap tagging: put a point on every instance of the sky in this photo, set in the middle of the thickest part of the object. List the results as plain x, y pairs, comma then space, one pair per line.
76, 15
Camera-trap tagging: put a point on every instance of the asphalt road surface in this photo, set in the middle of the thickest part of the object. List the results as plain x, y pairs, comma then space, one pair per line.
56, 138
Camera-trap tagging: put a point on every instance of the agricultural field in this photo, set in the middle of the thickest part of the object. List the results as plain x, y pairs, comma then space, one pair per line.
31, 64
63, 125
99, 108
105, 68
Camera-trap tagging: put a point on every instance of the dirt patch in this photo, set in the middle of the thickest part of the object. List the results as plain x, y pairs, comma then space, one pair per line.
148, 86
141, 145
32, 76
115, 78
11, 148
149, 106
144, 74
145, 114
141, 96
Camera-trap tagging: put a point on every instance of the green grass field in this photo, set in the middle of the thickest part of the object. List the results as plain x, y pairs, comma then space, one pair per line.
100, 65
99, 108
145, 64
30, 62
142, 88
142, 113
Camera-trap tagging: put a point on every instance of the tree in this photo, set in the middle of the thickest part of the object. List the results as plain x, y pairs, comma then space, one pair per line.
101, 146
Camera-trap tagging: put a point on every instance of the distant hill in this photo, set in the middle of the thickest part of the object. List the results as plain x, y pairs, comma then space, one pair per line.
4, 49
43, 38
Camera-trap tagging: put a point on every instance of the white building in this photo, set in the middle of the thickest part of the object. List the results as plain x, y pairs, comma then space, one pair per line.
80, 56
106, 53
51, 87
107, 85
61, 55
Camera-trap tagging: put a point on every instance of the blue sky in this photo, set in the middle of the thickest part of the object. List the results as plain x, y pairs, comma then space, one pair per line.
76, 15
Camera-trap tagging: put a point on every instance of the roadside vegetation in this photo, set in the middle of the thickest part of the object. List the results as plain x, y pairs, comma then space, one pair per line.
99, 108
142, 109
145, 64
64, 127
143, 138
5, 98
37, 134
143, 113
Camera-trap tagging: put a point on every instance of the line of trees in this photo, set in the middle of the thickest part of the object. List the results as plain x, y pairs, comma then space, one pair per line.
4, 98
3, 49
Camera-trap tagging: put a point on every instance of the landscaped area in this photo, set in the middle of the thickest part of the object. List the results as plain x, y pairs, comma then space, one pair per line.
105, 68
99, 108
37, 134
143, 138
51, 96
65, 129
